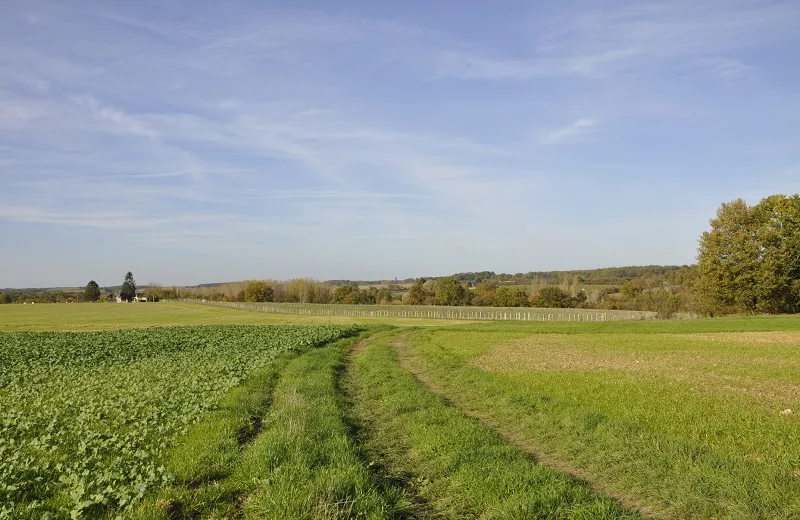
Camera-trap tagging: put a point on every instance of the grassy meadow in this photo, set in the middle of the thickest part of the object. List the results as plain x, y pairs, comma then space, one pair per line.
246, 418
676, 424
105, 316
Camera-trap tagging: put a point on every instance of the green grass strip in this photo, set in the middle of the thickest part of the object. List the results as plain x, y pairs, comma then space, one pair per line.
305, 463
301, 465
461, 468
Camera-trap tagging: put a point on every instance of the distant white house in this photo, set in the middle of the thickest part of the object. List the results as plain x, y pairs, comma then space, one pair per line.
140, 297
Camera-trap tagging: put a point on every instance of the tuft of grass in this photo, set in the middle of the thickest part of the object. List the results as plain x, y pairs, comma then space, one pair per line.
459, 467
681, 425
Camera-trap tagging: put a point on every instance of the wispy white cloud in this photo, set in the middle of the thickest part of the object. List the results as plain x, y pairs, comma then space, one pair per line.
726, 69
632, 38
327, 195
108, 220
119, 119
580, 130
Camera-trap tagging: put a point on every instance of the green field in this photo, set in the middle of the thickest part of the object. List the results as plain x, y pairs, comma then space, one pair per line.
190, 411
86, 418
104, 316
687, 425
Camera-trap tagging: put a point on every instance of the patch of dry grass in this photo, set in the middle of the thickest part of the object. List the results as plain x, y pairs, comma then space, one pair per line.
760, 368
782, 337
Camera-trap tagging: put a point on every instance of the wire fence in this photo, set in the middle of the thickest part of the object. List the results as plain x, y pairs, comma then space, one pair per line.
434, 312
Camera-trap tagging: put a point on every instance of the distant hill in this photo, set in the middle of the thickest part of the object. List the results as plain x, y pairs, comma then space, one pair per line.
600, 276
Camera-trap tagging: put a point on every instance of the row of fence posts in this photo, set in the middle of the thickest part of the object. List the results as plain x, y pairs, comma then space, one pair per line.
453, 314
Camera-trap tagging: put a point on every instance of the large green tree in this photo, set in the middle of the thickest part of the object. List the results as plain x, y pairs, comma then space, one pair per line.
483, 295
258, 291
510, 297
417, 294
778, 289
449, 292
92, 291
347, 294
128, 290
551, 297
749, 261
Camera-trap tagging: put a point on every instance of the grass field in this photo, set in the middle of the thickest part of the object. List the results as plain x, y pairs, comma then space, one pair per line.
682, 425
459, 469
661, 419
105, 316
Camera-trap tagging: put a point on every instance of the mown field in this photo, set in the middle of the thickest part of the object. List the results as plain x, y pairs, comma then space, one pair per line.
189, 412
675, 424
105, 316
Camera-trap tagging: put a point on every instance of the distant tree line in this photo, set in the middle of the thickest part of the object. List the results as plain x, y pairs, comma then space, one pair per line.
91, 293
604, 276
656, 293
748, 262
298, 290
39, 296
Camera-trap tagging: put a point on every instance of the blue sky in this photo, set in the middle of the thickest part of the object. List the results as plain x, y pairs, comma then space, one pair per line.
200, 141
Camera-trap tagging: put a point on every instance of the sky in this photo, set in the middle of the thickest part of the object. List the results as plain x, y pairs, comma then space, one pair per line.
202, 141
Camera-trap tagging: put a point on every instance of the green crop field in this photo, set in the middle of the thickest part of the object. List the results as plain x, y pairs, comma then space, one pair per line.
85, 418
182, 411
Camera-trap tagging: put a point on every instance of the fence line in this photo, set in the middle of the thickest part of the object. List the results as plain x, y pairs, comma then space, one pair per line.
446, 313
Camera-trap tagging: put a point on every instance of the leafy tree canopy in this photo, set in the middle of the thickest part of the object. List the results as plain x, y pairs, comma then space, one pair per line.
92, 291
551, 297
258, 291
749, 261
449, 292
347, 294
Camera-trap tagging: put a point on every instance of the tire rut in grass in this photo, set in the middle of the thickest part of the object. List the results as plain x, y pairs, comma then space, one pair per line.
359, 434
538, 455
460, 466
309, 461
